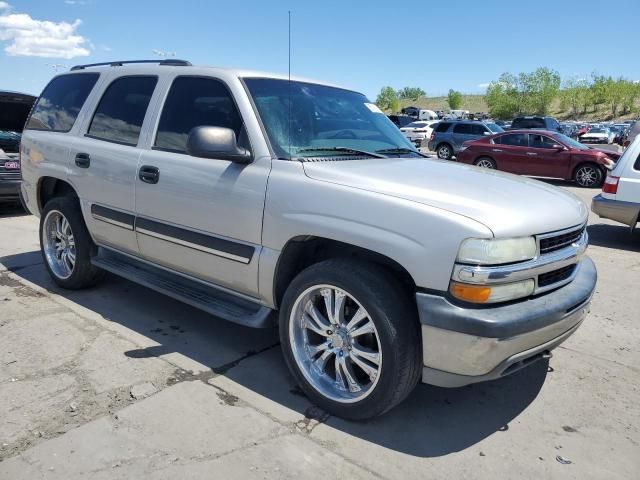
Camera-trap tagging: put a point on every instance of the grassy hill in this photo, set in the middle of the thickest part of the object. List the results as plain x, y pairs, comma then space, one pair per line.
476, 103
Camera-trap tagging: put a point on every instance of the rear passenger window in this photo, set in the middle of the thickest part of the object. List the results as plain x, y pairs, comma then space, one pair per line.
57, 108
121, 110
516, 140
194, 102
443, 127
462, 128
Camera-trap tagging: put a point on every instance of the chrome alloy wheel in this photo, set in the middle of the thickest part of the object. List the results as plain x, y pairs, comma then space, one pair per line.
484, 163
335, 343
587, 176
58, 244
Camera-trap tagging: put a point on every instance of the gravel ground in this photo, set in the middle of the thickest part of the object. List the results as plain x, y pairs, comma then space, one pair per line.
121, 382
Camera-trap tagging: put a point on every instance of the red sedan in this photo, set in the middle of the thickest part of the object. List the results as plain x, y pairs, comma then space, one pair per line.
539, 153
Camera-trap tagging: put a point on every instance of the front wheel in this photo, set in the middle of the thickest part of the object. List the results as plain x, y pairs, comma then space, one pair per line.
588, 175
66, 245
350, 338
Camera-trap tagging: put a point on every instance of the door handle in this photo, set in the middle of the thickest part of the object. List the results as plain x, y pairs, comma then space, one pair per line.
149, 174
496, 150
532, 154
83, 160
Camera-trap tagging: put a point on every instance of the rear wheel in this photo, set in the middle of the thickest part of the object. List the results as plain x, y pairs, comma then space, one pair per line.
444, 151
588, 175
350, 337
485, 162
66, 245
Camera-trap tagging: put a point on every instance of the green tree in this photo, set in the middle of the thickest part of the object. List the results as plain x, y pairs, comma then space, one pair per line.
502, 97
387, 99
454, 99
411, 93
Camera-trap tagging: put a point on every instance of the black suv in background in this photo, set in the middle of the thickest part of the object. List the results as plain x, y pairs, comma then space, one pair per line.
14, 110
543, 123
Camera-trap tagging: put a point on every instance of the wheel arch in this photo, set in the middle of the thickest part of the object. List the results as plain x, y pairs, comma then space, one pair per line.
50, 187
303, 251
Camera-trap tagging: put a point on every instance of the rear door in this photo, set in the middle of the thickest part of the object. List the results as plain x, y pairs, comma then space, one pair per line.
104, 159
509, 152
461, 133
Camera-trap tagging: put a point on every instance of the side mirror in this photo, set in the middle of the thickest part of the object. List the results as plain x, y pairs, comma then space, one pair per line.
558, 147
487, 133
217, 143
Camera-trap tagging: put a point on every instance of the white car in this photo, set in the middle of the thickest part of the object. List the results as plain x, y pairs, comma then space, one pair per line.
620, 197
416, 132
598, 135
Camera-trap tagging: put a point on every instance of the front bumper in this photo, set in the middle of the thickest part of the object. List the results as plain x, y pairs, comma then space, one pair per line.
9, 190
623, 212
469, 345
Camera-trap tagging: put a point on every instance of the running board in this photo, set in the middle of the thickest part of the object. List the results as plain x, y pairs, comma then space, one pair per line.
212, 300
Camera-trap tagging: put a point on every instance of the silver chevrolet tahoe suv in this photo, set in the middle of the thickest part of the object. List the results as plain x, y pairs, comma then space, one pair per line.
273, 201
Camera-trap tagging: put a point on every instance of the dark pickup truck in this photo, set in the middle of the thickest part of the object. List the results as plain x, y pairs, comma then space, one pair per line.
14, 109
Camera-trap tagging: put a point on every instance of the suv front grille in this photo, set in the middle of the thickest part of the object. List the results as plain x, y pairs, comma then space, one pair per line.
555, 276
553, 243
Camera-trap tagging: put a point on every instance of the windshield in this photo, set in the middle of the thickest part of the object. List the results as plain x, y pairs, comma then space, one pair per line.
302, 119
494, 127
570, 142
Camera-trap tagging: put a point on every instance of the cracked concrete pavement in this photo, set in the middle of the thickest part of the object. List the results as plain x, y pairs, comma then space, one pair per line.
121, 382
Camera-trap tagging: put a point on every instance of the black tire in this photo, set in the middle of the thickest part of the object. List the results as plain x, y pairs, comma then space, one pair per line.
588, 175
393, 312
84, 273
444, 151
486, 162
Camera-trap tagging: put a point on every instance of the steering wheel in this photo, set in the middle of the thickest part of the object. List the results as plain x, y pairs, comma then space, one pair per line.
344, 134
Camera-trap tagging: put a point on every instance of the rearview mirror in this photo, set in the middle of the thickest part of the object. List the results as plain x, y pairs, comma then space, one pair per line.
218, 143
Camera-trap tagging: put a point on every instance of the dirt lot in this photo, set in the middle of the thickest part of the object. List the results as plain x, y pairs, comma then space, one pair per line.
121, 382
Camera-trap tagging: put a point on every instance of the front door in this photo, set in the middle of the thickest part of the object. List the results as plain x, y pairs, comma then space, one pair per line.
547, 158
200, 216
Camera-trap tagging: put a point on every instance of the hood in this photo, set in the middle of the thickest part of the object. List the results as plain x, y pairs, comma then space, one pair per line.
595, 134
509, 205
14, 110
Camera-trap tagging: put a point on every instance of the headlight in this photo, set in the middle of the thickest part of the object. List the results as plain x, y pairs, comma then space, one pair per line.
482, 251
491, 293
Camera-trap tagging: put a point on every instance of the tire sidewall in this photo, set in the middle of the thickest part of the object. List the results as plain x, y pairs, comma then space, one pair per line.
85, 248
387, 334
444, 145
600, 175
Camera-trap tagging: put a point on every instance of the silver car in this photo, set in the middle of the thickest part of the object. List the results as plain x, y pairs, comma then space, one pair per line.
274, 202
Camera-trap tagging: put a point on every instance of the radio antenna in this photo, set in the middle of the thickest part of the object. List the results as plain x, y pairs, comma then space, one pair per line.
289, 85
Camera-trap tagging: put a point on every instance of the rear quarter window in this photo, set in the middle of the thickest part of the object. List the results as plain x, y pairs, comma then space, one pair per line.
636, 166
59, 105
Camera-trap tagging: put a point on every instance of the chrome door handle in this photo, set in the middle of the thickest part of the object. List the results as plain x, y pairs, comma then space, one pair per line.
496, 150
532, 154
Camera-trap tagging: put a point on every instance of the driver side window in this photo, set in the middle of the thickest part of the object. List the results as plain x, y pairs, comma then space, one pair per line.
541, 141
193, 102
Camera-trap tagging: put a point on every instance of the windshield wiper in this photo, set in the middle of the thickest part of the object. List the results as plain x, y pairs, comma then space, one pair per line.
400, 150
347, 150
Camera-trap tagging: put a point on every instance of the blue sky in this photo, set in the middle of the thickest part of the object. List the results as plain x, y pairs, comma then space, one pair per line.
363, 45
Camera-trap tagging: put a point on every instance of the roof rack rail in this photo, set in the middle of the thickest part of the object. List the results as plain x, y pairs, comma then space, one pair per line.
174, 62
